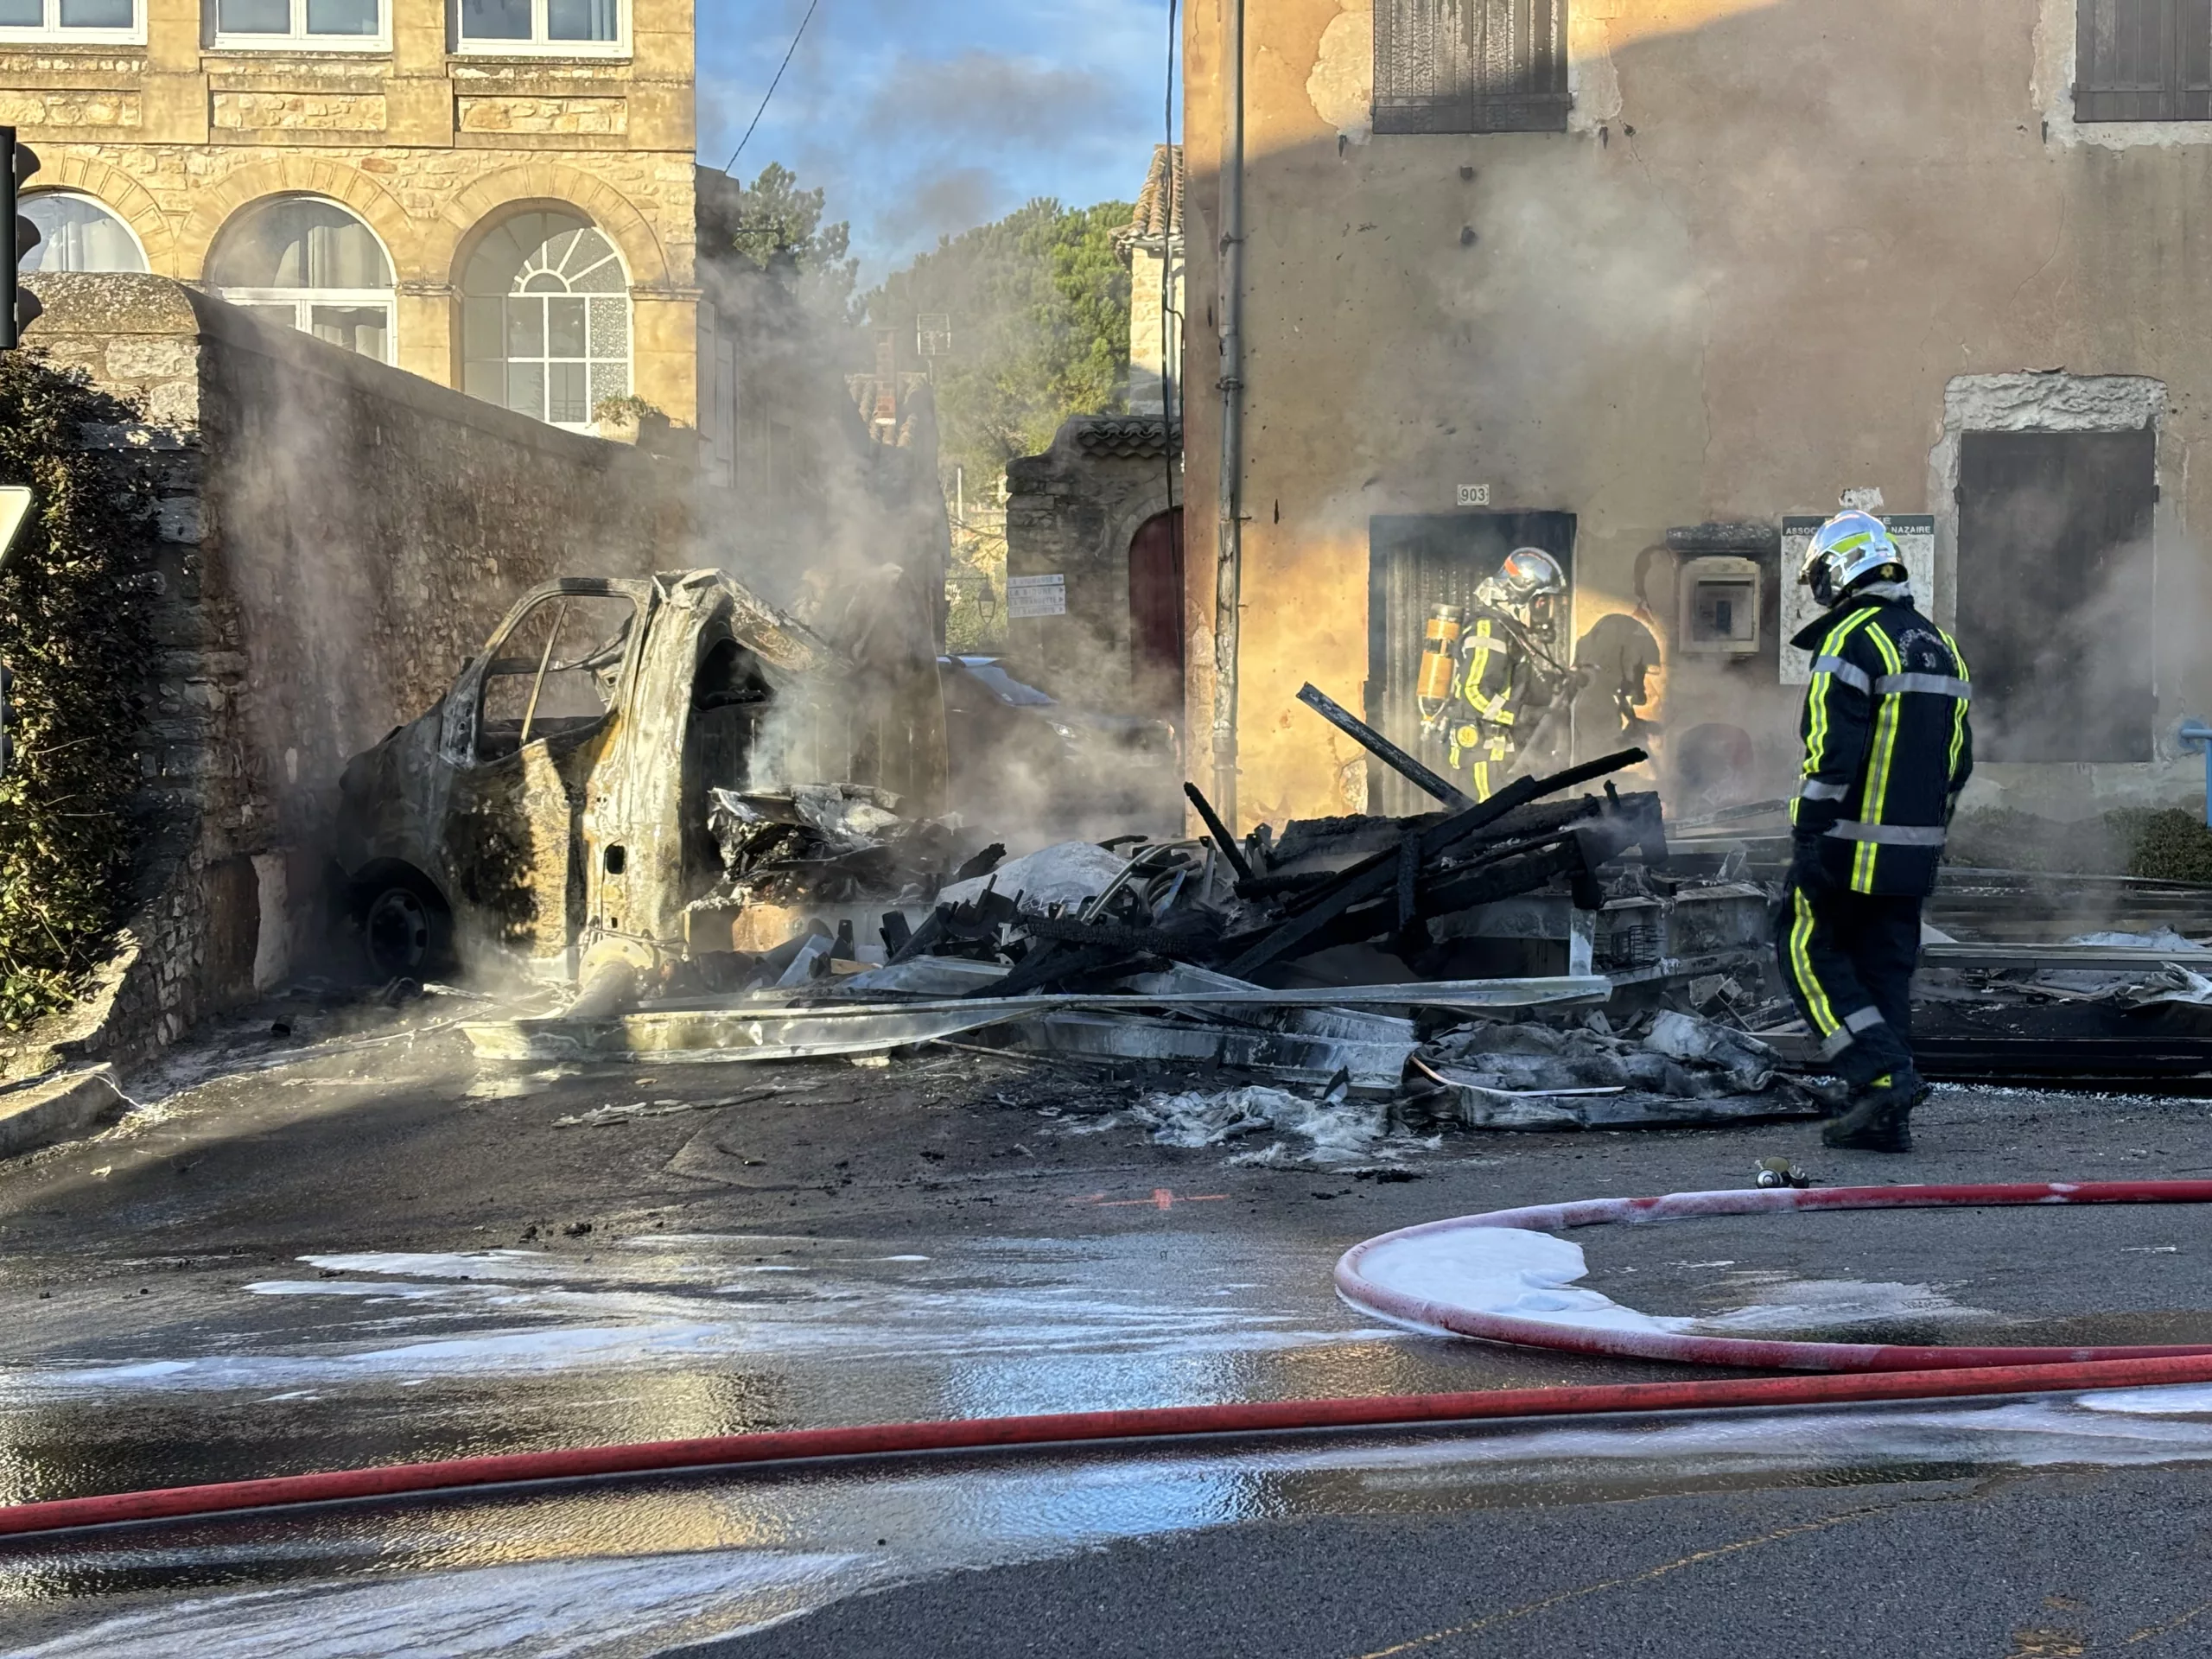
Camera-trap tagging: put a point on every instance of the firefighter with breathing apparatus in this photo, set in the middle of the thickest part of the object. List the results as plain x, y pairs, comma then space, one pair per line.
1488, 671
1887, 750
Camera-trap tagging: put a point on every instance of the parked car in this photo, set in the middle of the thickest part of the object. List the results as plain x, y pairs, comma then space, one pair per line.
552, 809
1032, 768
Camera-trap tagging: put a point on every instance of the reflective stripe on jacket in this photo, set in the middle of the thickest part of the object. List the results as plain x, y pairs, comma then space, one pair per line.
1496, 682
1888, 744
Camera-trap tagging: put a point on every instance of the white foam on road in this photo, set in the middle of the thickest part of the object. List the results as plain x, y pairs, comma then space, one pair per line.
549, 1609
1512, 1272
522, 1313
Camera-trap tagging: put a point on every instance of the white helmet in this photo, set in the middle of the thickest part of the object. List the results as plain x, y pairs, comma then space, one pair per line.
1844, 552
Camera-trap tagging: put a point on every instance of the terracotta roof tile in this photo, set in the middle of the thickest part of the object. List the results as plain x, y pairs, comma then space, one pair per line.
1160, 204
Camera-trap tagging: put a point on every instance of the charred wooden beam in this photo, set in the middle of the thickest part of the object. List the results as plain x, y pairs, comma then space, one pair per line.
1375, 875
1221, 838
1383, 748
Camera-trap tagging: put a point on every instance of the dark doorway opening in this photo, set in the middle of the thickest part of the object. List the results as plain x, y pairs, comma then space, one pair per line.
1156, 609
1416, 561
2055, 593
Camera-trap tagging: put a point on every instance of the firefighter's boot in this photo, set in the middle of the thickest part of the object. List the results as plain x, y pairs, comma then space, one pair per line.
1878, 1121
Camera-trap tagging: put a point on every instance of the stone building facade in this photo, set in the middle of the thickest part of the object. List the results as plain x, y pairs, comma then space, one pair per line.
1100, 510
1650, 283
1097, 510
495, 194
1152, 246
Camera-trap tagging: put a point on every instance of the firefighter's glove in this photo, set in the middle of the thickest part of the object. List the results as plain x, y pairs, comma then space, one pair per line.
1807, 872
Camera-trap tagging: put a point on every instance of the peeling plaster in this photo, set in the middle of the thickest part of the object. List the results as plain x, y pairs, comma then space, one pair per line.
1591, 78
1342, 85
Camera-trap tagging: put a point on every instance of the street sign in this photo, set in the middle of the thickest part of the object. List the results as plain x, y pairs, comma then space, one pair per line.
1036, 596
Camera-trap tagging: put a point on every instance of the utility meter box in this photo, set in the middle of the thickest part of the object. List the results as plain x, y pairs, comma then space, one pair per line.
1721, 601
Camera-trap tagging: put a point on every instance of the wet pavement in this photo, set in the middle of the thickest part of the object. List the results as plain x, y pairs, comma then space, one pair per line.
335, 1264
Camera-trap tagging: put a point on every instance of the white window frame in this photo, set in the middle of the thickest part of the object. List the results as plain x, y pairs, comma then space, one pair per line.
297, 38
304, 300
539, 45
51, 32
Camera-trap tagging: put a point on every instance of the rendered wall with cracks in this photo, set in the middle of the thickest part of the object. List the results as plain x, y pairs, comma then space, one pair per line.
1776, 234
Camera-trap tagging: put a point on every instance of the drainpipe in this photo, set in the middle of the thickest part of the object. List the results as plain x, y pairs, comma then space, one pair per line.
1229, 549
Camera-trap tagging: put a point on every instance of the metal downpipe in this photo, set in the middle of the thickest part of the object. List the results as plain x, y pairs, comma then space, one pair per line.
1229, 538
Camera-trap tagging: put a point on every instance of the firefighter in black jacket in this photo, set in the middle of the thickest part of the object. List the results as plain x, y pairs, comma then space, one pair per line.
1887, 750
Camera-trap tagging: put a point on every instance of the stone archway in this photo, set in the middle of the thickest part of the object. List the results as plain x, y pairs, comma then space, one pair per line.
296, 174
123, 196
477, 211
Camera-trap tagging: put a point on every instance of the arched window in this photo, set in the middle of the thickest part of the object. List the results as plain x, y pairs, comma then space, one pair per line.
313, 266
76, 233
546, 318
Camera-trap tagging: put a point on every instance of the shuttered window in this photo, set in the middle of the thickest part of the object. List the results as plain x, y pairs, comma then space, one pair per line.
1472, 65
2143, 61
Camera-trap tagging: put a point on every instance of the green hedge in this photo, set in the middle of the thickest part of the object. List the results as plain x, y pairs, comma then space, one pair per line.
2166, 843
75, 625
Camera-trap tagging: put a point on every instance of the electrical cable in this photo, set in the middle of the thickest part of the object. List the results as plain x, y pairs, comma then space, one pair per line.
799, 34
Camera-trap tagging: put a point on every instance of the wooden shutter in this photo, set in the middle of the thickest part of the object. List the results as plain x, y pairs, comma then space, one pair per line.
2143, 61
1472, 65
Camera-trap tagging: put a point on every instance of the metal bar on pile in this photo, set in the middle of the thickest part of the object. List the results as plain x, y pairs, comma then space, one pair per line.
2116, 956
743, 1030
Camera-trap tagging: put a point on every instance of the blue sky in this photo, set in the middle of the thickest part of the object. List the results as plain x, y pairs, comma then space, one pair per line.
924, 117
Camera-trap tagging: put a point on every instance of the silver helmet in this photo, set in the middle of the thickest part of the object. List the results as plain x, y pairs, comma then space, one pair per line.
1844, 552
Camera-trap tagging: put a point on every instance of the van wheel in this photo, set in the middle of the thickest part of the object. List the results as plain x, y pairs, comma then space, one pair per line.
406, 932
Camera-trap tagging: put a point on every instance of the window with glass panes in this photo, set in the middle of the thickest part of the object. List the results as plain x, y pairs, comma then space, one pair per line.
77, 233
546, 318
311, 265
336, 22
551, 23
65, 20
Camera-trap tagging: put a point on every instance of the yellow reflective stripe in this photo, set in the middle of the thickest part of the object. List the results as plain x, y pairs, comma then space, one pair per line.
1817, 697
1883, 758
1959, 709
1482, 780
1825, 1023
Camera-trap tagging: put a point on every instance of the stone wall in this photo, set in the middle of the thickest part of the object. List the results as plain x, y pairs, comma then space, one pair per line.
338, 537
1072, 512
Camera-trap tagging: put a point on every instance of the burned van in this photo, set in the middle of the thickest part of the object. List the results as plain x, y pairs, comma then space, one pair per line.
550, 812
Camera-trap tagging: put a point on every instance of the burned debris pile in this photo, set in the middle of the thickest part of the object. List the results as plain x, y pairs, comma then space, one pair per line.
822, 843
1337, 963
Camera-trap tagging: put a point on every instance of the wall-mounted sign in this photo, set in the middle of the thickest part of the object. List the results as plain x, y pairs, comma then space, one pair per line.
1036, 596
1914, 534
1474, 495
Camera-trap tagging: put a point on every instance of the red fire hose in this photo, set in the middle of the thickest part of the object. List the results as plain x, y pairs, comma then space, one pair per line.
2015, 1371
1358, 1286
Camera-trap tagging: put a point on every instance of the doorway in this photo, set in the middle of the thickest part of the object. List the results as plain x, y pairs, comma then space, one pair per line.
2055, 594
1413, 562
1156, 612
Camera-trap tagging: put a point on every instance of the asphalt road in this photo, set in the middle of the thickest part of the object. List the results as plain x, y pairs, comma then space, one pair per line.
291, 1268
2009, 1567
